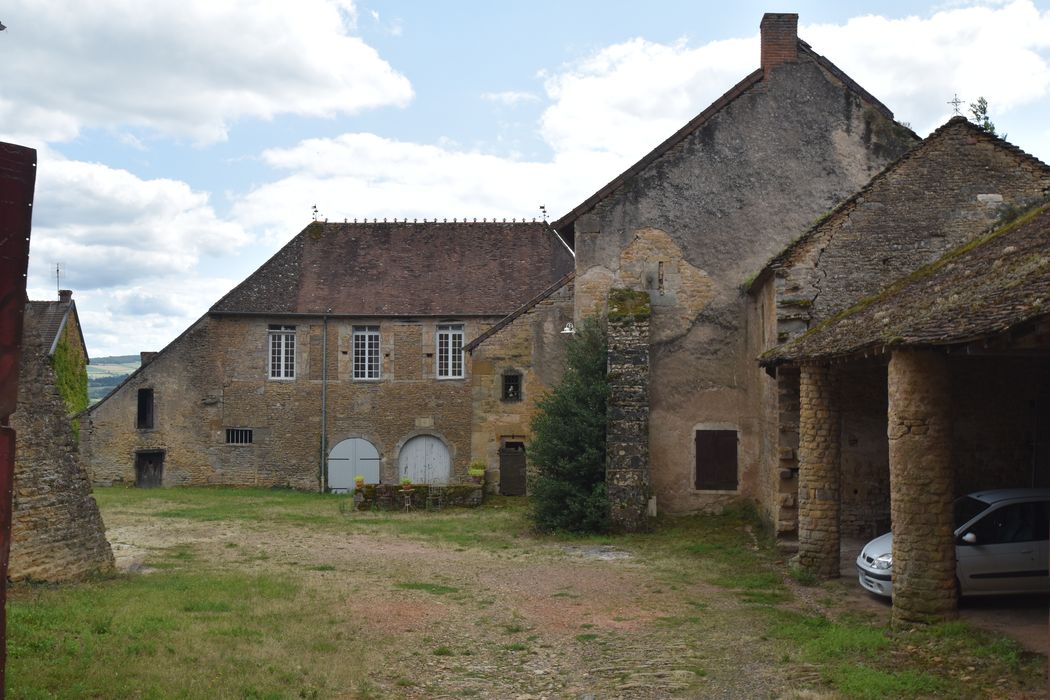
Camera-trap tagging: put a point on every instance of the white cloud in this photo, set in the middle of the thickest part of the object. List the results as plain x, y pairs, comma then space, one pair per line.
366, 176
125, 245
188, 68
915, 65
627, 98
610, 108
510, 98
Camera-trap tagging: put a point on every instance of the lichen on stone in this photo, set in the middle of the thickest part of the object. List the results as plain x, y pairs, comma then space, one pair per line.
626, 305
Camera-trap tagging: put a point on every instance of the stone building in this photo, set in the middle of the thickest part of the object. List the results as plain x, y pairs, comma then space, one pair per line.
513, 363
340, 356
693, 221
962, 348
56, 531
945, 192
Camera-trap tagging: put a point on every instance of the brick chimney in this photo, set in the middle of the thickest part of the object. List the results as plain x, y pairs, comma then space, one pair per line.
65, 295
146, 357
779, 40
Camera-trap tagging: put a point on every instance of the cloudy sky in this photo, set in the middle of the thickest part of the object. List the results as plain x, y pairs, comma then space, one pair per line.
181, 143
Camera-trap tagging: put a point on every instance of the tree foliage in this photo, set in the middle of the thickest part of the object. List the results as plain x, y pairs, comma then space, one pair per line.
979, 112
568, 445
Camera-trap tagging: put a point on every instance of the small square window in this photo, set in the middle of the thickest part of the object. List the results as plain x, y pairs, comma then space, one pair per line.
512, 387
239, 436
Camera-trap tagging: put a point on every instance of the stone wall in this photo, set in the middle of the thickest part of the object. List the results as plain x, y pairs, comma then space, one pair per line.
864, 452
57, 532
531, 345
695, 224
214, 377
1001, 413
627, 472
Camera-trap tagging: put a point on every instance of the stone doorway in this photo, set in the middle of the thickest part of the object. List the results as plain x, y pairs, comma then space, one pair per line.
149, 469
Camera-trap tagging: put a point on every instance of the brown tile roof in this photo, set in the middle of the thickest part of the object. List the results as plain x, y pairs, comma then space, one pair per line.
45, 321
979, 290
829, 221
404, 269
699, 120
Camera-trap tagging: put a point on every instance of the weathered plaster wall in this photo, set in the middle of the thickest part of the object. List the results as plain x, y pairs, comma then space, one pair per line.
214, 377
710, 213
532, 345
57, 532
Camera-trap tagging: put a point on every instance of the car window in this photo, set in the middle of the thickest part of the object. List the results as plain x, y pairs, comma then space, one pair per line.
1019, 522
966, 509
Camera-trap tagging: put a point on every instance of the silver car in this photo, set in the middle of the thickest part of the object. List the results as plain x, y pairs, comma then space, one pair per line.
1000, 545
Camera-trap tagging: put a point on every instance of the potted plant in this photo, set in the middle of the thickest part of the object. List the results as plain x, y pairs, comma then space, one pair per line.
406, 484
476, 471
359, 482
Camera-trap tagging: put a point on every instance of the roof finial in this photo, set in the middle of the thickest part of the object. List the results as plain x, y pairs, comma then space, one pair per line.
955, 102
543, 211
316, 213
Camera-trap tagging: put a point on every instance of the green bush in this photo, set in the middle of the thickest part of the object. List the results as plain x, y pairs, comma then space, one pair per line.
568, 445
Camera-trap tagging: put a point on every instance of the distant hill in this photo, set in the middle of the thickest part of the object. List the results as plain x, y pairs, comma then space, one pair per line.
105, 373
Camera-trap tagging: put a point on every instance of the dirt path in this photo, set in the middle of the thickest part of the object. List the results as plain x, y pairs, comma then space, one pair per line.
542, 621
529, 621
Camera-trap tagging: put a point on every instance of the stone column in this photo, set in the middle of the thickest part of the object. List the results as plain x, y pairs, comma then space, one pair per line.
921, 487
818, 477
627, 475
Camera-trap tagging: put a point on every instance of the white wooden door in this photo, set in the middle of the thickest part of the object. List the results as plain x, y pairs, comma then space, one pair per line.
424, 459
350, 458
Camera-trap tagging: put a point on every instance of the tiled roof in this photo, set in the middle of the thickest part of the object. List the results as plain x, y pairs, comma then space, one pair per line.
917, 152
404, 269
701, 119
979, 290
44, 320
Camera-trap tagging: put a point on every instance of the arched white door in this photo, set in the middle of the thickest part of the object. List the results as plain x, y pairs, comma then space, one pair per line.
351, 458
424, 459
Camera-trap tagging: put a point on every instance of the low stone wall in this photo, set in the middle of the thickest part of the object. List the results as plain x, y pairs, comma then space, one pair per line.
393, 497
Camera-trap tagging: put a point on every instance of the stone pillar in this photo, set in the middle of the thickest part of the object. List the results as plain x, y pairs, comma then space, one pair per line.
921, 487
818, 477
627, 476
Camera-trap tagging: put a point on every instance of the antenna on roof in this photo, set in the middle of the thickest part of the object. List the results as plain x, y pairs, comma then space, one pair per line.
543, 211
955, 102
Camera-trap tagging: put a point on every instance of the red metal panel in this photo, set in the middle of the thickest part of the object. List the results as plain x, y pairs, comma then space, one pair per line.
17, 183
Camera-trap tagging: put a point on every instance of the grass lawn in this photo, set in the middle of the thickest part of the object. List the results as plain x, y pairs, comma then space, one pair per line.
277, 594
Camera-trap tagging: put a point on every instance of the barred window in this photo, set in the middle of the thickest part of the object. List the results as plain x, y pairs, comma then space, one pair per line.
450, 351
239, 436
366, 352
282, 352
512, 387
